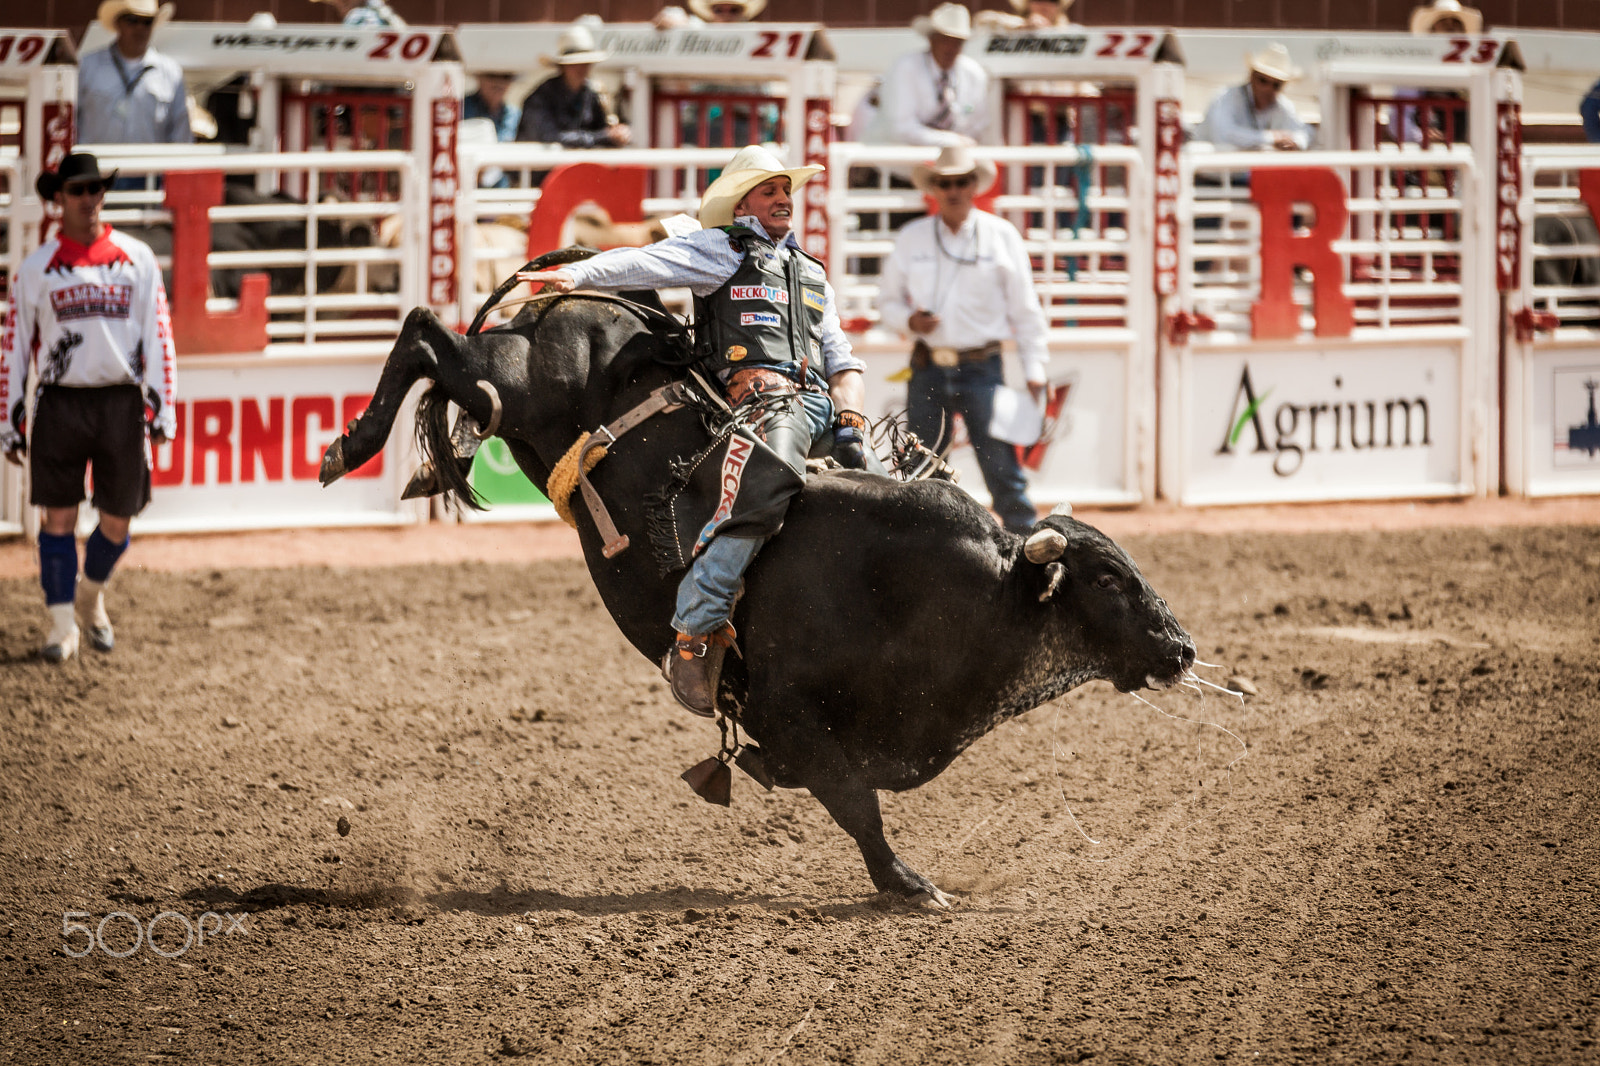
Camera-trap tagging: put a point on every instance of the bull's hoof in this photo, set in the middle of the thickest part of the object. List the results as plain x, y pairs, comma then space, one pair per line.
932, 899
425, 482
333, 467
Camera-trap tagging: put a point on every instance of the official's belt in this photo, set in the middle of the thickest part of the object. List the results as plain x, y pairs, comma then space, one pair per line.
923, 356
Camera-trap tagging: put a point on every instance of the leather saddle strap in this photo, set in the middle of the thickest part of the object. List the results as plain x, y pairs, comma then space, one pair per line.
666, 398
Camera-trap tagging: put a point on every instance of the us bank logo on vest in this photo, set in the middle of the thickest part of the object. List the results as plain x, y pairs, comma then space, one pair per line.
1296, 421
758, 318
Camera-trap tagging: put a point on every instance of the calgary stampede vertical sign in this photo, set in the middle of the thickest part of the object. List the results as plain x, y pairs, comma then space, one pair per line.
1169, 136
443, 181
1508, 194
818, 128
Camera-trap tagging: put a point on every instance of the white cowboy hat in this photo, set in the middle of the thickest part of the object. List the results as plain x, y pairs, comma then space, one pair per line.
1021, 8
954, 160
1424, 18
751, 166
1274, 62
575, 46
111, 10
752, 8
948, 20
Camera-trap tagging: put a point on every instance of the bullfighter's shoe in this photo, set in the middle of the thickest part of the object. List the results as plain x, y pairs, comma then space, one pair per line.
92, 614
62, 643
692, 667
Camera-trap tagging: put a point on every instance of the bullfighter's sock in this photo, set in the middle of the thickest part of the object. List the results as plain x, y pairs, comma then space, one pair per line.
58, 567
100, 555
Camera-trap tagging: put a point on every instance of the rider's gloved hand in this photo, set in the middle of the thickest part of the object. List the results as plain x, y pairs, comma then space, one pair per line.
850, 440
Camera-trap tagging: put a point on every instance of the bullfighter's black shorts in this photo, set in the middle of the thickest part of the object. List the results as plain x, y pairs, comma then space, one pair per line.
100, 428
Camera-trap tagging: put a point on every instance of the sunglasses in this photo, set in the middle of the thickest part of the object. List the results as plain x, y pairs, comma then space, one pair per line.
1263, 80
91, 188
136, 20
954, 183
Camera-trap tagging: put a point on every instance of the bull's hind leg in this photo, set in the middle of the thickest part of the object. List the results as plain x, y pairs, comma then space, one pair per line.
856, 810
414, 356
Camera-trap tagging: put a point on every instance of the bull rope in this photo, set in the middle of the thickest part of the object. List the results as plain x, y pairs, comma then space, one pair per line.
564, 478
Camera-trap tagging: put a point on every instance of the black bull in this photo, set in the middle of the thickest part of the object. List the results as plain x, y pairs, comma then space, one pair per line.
884, 630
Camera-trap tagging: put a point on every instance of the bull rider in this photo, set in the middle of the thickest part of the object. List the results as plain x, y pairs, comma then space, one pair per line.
766, 322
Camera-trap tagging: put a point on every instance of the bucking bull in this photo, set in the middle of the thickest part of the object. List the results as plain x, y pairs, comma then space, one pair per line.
884, 630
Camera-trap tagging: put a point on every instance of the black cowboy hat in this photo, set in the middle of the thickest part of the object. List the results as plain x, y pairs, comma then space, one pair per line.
79, 166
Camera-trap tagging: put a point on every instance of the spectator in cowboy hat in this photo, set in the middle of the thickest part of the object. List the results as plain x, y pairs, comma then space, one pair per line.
566, 109
959, 283
1256, 115
375, 13
1446, 16
128, 93
938, 96
1030, 15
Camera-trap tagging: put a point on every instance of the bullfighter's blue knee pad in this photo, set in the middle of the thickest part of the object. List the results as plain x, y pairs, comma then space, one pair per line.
100, 555
58, 566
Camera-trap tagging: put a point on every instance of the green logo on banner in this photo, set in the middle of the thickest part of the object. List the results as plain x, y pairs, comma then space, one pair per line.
498, 479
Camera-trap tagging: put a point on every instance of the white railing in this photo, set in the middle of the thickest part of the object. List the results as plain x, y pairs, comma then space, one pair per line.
1083, 214
351, 270
1561, 244
495, 220
1406, 250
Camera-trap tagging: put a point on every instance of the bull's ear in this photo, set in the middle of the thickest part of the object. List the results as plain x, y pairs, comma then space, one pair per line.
1057, 573
1044, 545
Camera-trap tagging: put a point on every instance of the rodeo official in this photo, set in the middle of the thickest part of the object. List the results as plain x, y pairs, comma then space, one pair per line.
88, 307
765, 323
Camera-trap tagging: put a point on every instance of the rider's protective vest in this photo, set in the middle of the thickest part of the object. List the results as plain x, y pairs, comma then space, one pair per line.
767, 314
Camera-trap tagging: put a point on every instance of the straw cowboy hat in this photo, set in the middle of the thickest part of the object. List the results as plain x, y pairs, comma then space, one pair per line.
948, 20
111, 10
79, 166
1274, 62
752, 8
750, 167
1423, 19
575, 46
954, 160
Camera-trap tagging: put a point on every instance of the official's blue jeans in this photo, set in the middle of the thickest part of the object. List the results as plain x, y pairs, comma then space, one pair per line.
937, 391
707, 592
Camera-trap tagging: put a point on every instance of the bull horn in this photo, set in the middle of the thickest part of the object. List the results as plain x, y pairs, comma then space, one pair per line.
1044, 546
1064, 509
494, 411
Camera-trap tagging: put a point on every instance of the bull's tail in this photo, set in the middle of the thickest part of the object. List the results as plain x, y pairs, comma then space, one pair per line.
415, 356
438, 450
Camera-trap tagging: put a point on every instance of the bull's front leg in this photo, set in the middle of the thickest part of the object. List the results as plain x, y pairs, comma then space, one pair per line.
856, 810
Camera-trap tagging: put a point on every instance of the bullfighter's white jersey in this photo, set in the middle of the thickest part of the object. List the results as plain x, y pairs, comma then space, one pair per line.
89, 316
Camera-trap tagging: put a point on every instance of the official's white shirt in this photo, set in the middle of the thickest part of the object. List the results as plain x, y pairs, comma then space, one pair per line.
909, 100
978, 280
89, 317
132, 101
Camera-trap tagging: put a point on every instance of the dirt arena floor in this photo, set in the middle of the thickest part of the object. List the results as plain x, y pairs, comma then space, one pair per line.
429, 812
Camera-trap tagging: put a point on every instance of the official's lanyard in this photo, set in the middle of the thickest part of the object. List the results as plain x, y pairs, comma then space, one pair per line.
938, 263
128, 86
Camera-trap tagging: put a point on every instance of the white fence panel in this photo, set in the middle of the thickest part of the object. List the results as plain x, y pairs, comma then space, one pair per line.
1382, 384
1552, 433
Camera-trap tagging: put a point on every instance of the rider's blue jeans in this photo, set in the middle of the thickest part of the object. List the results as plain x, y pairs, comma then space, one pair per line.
707, 592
